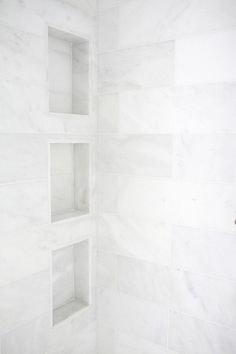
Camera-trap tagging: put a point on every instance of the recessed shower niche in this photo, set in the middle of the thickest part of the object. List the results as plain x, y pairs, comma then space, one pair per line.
69, 180
70, 280
68, 73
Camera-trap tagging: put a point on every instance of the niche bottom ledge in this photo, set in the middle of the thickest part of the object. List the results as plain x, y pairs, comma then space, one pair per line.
68, 215
62, 313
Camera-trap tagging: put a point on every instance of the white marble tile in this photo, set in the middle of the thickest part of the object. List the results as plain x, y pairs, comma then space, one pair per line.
147, 111
21, 17
106, 309
105, 339
205, 108
189, 335
108, 29
145, 320
144, 280
29, 246
203, 205
24, 156
66, 14
132, 319
137, 155
135, 237
204, 298
212, 160
204, 252
129, 344
148, 21
208, 205
27, 112
187, 109
24, 300
32, 338
147, 66
106, 271
142, 22
108, 113
135, 196
23, 204
104, 4
23, 56
206, 58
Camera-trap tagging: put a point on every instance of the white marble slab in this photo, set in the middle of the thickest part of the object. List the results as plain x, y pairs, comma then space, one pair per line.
28, 339
23, 204
136, 155
204, 205
189, 335
24, 156
137, 197
27, 113
24, 300
147, 66
212, 160
103, 4
148, 21
135, 237
204, 252
144, 280
106, 271
186, 109
204, 298
108, 29
141, 319
23, 56
206, 58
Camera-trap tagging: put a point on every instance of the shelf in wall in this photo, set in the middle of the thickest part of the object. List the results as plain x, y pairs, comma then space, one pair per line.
68, 73
70, 280
69, 180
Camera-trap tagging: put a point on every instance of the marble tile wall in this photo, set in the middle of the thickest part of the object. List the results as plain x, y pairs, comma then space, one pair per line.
166, 177
26, 235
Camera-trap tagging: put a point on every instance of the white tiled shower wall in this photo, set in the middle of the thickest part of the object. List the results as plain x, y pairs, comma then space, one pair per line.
26, 235
166, 169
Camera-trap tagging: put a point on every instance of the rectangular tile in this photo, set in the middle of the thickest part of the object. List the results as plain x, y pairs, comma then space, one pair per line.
204, 252
193, 109
148, 21
189, 335
135, 196
212, 160
135, 237
204, 205
24, 156
206, 58
147, 66
27, 113
141, 319
28, 339
23, 56
22, 204
138, 155
24, 300
203, 297
144, 280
